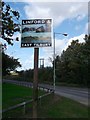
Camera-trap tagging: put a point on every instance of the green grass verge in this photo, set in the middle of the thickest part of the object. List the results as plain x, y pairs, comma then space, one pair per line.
55, 106
0, 95
52, 106
13, 94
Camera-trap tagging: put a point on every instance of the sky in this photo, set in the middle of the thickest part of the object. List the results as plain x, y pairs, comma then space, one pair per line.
69, 16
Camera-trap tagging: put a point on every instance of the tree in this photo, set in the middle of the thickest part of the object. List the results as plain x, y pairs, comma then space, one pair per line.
45, 74
9, 64
86, 52
9, 22
73, 64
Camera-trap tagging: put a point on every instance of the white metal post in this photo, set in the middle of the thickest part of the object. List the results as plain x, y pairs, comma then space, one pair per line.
54, 64
54, 69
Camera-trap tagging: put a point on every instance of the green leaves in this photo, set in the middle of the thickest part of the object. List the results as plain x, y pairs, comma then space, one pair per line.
16, 13
73, 64
9, 64
10, 19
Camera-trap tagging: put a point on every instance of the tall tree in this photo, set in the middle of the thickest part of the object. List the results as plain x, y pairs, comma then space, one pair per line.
86, 52
73, 65
9, 20
9, 64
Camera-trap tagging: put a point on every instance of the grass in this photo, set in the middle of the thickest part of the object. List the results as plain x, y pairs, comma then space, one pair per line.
52, 106
0, 98
55, 106
13, 94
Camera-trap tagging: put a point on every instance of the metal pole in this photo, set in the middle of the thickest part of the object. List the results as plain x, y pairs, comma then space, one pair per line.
35, 83
41, 63
1, 62
54, 75
54, 64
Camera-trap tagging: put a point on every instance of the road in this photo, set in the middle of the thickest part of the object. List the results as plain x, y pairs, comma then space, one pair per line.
78, 94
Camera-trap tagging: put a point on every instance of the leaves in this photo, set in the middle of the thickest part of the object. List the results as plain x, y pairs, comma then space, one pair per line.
16, 13
9, 24
73, 64
9, 64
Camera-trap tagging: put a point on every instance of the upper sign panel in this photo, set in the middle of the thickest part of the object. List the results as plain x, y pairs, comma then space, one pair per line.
36, 33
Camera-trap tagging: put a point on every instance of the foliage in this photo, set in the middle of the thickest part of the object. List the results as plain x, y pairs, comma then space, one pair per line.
45, 74
73, 64
10, 23
9, 64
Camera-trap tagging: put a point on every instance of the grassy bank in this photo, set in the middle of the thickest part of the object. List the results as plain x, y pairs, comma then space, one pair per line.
55, 106
13, 94
52, 106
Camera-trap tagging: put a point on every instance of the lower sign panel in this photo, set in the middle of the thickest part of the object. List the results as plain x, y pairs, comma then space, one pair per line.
35, 45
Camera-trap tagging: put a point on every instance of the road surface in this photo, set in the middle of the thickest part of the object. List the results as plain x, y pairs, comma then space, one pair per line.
78, 94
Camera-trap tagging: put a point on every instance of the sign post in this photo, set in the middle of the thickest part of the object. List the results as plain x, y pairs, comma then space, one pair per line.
36, 33
35, 82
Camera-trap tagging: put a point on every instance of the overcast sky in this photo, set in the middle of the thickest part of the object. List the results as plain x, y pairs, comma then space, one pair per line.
69, 16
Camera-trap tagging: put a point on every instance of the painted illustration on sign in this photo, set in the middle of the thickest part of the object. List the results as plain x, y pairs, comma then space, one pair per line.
36, 33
